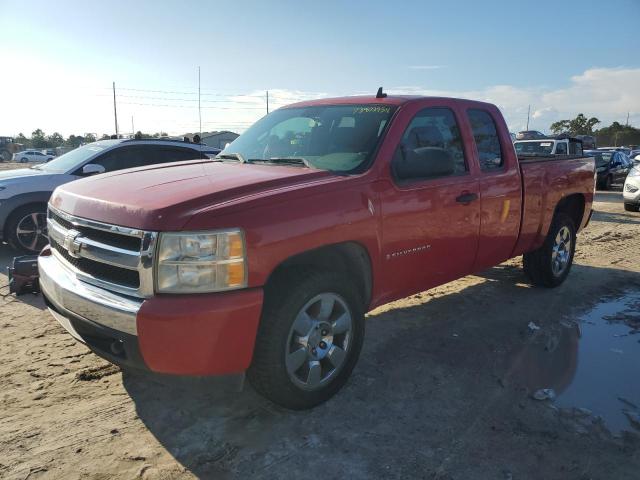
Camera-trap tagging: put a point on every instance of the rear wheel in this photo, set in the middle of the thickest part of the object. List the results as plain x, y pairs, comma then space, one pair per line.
309, 339
27, 228
550, 264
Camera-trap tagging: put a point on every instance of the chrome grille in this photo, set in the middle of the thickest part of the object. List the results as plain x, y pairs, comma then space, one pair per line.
116, 258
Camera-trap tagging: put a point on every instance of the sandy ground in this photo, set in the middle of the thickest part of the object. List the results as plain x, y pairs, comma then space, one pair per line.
436, 394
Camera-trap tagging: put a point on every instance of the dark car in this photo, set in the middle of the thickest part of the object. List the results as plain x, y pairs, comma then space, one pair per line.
612, 167
530, 135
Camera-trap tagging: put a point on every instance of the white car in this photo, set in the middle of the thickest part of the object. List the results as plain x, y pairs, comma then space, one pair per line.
31, 156
631, 190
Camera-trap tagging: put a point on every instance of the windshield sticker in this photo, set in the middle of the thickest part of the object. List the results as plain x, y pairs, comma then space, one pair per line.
372, 109
545, 144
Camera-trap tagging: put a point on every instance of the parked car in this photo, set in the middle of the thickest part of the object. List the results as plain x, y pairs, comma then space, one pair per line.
29, 156
612, 167
50, 151
530, 135
24, 192
631, 190
549, 146
267, 259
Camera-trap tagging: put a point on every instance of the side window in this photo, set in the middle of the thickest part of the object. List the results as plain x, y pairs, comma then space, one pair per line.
431, 147
117, 159
485, 135
575, 148
178, 155
561, 148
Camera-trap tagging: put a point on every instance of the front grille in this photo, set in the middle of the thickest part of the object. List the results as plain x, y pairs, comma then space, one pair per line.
112, 257
101, 271
108, 238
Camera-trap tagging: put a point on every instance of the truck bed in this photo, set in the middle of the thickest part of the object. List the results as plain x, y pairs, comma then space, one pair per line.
546, 180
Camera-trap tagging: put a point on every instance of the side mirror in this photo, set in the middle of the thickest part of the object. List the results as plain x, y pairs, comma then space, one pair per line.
424, 162
92, 169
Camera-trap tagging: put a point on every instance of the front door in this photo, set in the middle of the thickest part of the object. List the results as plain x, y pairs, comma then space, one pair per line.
430, 224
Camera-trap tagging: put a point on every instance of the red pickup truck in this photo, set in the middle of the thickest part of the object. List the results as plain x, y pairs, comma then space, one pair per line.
265, 259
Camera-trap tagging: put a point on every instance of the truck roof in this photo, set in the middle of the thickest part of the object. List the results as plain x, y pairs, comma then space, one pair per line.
388, 100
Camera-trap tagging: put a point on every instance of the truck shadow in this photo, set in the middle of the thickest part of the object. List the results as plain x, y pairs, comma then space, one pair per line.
417, 354
628, 218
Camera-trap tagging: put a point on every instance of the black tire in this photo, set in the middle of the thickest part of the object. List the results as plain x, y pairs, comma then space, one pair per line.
24, 160
284, 299
629, 207
538, 265
13, 222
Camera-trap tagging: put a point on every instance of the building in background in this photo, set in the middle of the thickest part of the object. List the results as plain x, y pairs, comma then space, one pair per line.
215, 139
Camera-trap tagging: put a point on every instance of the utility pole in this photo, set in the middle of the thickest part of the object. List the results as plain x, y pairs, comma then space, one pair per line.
133, 130
627, 119
199, 109
115, 112
267, 102
528, 112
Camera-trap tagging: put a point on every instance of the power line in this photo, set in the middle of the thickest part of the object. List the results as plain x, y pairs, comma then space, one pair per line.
189, 106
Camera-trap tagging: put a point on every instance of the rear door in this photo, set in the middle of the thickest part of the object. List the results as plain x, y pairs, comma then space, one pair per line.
429, 225
500, 187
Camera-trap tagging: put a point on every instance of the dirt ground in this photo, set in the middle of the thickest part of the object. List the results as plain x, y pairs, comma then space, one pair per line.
436, 394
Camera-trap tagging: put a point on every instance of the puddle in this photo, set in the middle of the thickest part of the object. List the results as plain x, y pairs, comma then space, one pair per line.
592, 363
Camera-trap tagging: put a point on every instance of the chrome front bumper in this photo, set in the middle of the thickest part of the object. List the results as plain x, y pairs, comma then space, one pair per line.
70, 295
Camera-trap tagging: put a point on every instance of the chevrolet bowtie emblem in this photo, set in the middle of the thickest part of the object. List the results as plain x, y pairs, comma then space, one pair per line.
72, 243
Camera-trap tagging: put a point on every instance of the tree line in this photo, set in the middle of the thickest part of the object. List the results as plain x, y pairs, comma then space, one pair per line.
615, 135
40, 140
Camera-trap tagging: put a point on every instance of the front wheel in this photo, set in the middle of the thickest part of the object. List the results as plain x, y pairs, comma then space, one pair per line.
309, 339
550, 264
27, 228
24, 160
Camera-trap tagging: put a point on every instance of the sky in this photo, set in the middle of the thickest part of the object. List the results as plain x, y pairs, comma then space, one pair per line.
59, 59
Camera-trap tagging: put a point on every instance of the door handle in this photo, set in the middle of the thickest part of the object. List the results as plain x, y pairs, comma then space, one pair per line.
466, 198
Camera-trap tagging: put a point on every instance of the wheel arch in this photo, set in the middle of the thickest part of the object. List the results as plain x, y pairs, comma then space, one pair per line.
351, 258
572, 205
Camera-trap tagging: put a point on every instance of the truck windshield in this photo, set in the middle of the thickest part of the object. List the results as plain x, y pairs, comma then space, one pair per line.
338, 138
70, 160
534, 148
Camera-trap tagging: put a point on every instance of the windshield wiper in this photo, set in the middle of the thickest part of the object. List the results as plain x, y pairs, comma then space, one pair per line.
289, 160
232, 156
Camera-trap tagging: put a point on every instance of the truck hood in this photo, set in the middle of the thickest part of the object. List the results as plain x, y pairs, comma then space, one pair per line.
165, 197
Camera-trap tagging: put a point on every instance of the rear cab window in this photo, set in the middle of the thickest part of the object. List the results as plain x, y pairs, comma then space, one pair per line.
485, 135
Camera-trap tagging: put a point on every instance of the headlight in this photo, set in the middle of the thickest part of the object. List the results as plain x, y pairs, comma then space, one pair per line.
634, 172
199, 262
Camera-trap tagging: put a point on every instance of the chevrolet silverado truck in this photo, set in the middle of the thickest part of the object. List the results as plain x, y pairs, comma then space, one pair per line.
265, 261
